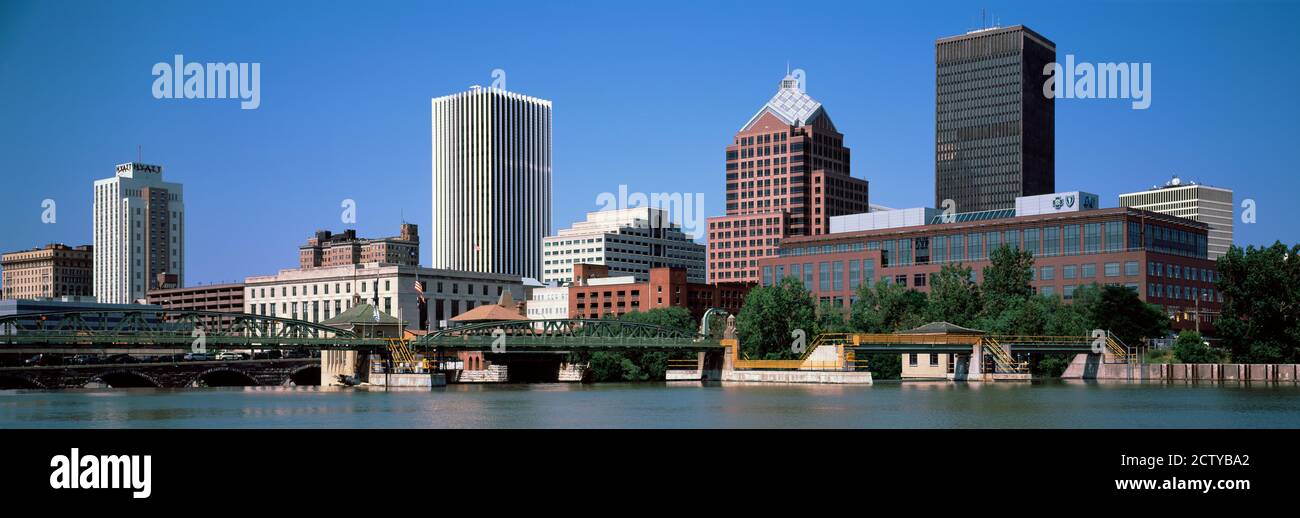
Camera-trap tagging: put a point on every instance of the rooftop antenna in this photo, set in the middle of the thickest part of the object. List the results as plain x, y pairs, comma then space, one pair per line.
139, 153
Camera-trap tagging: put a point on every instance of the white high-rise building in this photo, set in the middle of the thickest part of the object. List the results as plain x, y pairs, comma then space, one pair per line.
628, 241
139, 233
491, 181
1194, 201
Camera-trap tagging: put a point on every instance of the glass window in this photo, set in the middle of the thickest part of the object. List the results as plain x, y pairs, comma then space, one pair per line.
1071, 239
1088, 271
1048, 273
855, 272
1031, 241
1131, 268
939, 249
992, 241
1051, 241
1114, 236
837, 279
905, 251
1069, 272
1092, 237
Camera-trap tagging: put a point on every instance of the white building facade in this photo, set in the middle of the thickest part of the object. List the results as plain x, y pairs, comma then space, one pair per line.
491, 181
139, 233
1210, 205
318, 294
628, 241
549, 303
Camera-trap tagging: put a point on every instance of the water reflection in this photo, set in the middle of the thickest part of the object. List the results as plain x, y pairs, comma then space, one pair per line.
922, 404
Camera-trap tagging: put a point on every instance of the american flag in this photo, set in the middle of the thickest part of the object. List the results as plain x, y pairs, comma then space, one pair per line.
419, 288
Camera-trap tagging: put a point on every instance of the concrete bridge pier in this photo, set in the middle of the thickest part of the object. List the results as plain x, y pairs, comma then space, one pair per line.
969, 367
352, 364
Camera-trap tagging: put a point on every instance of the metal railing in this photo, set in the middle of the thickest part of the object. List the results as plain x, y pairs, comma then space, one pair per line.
1002, 360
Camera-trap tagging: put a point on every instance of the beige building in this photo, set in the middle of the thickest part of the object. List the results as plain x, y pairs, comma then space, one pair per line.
319, 294
53, 271
925, 366
1194, 201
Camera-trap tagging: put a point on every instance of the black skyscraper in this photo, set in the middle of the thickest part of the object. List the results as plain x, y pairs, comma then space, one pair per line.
995, 131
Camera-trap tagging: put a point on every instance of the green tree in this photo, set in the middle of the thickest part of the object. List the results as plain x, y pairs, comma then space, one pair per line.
830, 319
887, 308
954, 297
769, 315
1119, 310
1191, 348
670, 317
1260, 320
885, 366
638, 365
1008, 275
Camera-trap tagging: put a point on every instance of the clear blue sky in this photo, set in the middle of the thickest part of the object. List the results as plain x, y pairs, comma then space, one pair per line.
646, 93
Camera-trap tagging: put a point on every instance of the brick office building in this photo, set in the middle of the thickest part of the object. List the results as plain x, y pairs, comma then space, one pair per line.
594, 294
787, 174
1161, 257
327, 249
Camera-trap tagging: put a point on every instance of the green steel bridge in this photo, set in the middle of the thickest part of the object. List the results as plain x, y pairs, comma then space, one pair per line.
563, 335
93, 330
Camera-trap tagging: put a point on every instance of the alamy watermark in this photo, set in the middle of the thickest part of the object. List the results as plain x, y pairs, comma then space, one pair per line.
181, 80
687, 209
1084, 80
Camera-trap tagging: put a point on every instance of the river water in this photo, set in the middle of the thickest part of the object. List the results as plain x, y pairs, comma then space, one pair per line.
1052, 404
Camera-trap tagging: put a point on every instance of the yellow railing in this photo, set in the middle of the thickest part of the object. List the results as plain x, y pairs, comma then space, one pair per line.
1002, 358
1117, 348
912, 339
845, 359
400, 352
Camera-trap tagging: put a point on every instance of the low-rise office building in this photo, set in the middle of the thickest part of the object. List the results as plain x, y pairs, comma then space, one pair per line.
628, 241
594, 294
318, 294
1162, 257
551, 302
1199, 202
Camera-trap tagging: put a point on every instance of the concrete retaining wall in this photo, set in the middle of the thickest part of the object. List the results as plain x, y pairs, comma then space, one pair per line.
801, 376
492, 374
424, 380
1089, 366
